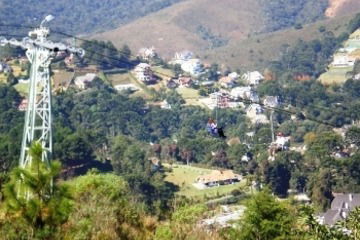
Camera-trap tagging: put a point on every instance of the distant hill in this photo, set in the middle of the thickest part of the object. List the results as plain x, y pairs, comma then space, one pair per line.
195, 25
231, 31
255, 51
78, 16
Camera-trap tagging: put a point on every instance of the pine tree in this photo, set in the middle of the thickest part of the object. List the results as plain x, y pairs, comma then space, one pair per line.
34, 205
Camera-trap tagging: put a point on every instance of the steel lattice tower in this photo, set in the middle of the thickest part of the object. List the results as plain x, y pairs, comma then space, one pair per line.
40, 52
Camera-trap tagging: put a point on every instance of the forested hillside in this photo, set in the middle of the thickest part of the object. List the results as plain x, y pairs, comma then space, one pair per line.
79, 16
281, 14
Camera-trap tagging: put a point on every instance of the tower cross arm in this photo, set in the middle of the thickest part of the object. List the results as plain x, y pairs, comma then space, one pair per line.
28, 43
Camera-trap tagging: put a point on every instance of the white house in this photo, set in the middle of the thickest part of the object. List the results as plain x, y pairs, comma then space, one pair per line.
253, 78
244, 93
147, 53
165, 105
187, 62
281, 140
342, 60
183, 56
144, 73
82, 81
233, 75
192, 66
124, 87
271, 101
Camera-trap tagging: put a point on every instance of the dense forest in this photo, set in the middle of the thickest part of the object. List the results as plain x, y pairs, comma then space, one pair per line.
80, 16
281, 14
83, 16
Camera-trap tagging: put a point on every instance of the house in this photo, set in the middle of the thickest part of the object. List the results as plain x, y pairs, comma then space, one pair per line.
21, 80
147, 53
172, 83
302, 197
227, 82
185, 82
281, 143
82, 82
342, 60
218, 177
219, 99
253, 78
126, 87
192, 66
155, 163
183, 56
144, 73
187, 62
256, 114
5, 68
357, 76
354, 56
341, 206
165, 105
244, 93
207, 83
271, 101
23, 105
69, 60
233, 75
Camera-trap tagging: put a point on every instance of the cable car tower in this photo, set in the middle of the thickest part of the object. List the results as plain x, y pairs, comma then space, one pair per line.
38, 120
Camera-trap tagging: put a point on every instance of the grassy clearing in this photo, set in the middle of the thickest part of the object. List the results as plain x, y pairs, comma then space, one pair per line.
62, 78
144, 92
335, 76
188, 93
119, 78
22, 88
184, 176
163, 72
3, 78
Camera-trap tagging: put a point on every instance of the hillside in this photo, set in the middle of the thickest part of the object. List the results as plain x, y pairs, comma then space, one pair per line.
195, 25
254, 51
232, 31
78, 16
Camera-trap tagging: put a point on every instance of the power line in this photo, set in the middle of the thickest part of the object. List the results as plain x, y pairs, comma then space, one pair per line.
87, 50
166, 75
285, 111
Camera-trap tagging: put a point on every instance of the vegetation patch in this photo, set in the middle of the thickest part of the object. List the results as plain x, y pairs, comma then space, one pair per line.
184, 177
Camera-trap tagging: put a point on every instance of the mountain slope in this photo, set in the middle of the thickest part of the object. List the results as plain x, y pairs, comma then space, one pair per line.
78, 16
245, 28
193, 24
253, 52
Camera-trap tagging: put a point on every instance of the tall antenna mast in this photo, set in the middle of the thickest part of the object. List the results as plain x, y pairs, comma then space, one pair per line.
38, 120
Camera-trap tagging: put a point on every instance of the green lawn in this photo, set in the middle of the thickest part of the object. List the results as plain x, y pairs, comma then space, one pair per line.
22, 88
119, 78
162, 72
188, 93
184, 176
335, 75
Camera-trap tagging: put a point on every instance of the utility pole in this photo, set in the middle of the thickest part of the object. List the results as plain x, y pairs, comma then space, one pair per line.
38, 120
272, 125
